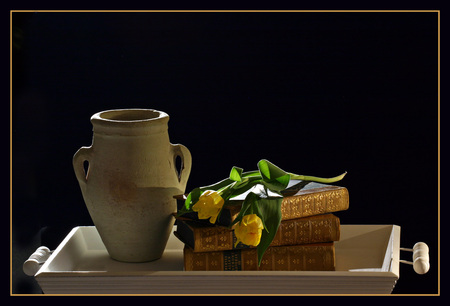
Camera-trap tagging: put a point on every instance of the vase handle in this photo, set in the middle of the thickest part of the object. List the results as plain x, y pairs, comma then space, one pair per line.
82, 155
186, 163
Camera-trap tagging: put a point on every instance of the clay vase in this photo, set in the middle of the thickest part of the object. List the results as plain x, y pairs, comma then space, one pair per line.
131, 180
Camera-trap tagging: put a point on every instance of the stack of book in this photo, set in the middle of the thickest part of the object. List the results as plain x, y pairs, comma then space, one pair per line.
304, 240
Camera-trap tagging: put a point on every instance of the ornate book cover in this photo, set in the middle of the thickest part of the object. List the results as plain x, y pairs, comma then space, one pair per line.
308, 257
314, 199
202, 237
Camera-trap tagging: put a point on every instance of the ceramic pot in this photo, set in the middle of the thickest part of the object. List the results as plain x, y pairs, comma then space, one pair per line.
131, 180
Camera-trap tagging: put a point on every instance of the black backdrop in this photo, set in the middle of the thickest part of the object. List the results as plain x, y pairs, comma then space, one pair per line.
315, 93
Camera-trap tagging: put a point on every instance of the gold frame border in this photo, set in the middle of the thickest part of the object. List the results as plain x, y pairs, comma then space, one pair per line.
238, 11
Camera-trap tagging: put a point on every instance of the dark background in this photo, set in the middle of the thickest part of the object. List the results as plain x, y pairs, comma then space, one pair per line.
314, 93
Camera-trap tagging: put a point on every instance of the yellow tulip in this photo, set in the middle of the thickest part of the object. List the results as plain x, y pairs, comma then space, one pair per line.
249, 230
209, 205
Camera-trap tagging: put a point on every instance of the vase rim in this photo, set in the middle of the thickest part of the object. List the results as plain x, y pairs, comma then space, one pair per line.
130, 121
129, 115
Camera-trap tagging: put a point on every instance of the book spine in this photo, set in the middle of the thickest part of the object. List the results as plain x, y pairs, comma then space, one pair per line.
215, 238
315, 229
316, 203
312, 257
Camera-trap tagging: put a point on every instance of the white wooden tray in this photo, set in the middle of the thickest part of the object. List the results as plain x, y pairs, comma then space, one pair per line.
367, 261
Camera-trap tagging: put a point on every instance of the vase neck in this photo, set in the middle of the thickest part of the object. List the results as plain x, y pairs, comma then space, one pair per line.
129, 122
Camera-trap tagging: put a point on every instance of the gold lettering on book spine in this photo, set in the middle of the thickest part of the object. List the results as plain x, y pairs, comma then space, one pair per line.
314, 204
215, 261
215, 239
320, 228
250, 260
292, 258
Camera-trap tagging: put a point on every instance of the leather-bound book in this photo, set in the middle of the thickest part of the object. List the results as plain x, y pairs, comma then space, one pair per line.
202, 237
307, 257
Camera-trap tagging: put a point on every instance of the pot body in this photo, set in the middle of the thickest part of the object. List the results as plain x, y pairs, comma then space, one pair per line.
131, 180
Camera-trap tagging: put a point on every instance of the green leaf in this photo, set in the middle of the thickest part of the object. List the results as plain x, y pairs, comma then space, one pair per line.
217, 186
191, 199
246, 184
274, 178
226, 182
249, 200
236, 174
270, 210
254, 173
277, 184
268, 170
255, 209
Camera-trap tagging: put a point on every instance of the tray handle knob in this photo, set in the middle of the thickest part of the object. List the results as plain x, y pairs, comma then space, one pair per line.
34, 262
421, 257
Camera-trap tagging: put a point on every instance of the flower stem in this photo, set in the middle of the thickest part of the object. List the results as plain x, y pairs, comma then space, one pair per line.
317, 179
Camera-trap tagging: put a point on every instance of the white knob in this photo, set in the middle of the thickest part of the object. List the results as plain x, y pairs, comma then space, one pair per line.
34, 262
421, 265
420, 249
421, 258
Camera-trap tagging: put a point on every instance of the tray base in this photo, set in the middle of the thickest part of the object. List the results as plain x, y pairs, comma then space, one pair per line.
366, 262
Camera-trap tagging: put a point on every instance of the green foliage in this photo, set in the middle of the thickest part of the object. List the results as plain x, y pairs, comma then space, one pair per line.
236, 174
